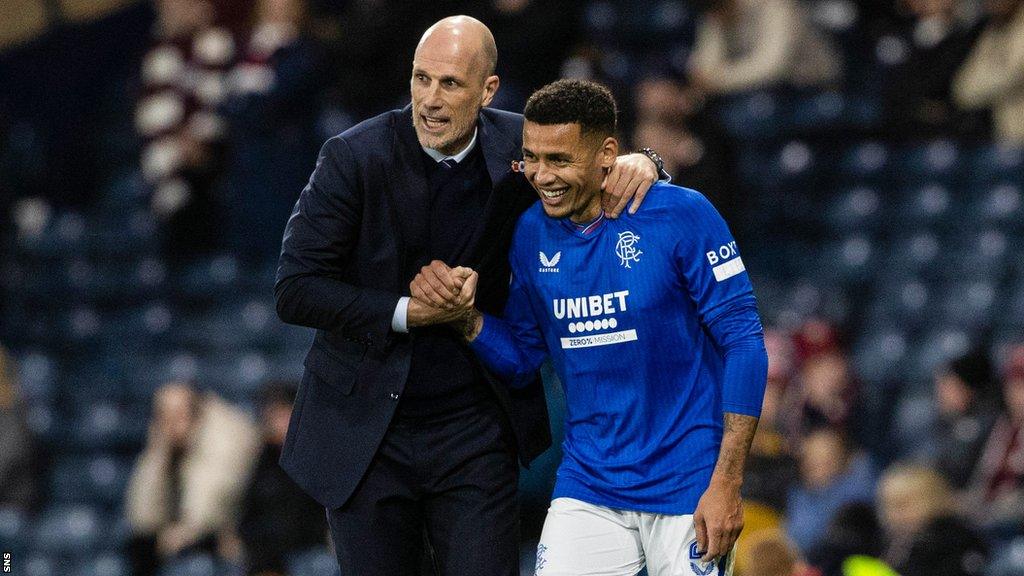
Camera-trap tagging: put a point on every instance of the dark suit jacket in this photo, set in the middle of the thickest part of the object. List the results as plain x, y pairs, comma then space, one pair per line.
344, 264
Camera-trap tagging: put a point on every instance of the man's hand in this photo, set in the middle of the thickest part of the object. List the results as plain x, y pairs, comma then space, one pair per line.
437, 286
718, 518
441, 295
629, 179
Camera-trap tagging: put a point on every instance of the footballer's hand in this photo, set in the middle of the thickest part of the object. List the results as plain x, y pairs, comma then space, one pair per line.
468, 279
630, 178
718, 518
437, 286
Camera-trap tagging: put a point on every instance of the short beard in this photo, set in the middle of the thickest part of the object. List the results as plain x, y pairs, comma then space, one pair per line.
439, 143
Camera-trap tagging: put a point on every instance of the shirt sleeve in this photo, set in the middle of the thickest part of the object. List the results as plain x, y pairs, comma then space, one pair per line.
717, 281
513, 347
400, 320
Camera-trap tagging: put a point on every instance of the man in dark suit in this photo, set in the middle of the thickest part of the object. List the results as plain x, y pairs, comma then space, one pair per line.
397, 430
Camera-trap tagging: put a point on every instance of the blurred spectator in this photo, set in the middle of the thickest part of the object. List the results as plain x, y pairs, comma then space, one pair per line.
669, 119
832, 474
185, 489
996, 490
853, 532
770, 553
925, 538
993, 75
17, 481
277, 517
745, 45
183, 151
966, 413
271, 126
823, 394
918, 95
771, 467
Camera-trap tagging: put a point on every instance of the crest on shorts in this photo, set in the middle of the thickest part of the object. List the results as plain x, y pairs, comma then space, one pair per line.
698, 567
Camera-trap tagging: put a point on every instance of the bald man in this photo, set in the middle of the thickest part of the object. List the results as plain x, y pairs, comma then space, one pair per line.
397, 429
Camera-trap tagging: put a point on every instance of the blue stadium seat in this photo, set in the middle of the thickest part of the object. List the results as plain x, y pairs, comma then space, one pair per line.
928, 203
903, 298
937, 346
751, 116
935, 161
105, 564
849, 260
1008, 559
880, 353
818, 112
13, 530
869, 161
997, 162
1001, 204
108, 426
99, 480
37, 564
195, 565
317, 562
38, 374
858, 209
68, 530
968, 303
980, 253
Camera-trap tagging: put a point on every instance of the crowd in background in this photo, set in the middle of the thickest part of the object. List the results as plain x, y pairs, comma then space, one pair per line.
210, 115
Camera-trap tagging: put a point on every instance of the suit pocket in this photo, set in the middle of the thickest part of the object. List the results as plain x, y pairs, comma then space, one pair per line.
335, 372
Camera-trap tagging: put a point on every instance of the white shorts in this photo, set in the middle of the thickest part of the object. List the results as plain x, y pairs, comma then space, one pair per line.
581, 539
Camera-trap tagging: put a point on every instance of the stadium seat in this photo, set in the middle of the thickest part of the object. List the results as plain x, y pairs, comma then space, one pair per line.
997, 162
13, 530
106, 564
968, 303
858, 209
1001, 205
879, 355
939, 344
938, 160
818, 112
37, 564
68, 530
195, 565
107, 426
849, 260
869, 161
751, 116
96, 480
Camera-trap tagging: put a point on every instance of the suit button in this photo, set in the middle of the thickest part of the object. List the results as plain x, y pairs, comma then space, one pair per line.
394, 395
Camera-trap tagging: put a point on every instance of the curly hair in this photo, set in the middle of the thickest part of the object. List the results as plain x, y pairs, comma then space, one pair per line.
582, 102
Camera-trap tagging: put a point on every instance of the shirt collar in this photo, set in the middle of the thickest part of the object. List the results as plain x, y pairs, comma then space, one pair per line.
439, 156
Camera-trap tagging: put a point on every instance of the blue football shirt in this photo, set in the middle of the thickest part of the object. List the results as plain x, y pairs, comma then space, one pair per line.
635, 316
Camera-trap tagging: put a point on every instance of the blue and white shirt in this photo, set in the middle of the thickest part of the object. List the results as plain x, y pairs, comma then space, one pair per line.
651, 324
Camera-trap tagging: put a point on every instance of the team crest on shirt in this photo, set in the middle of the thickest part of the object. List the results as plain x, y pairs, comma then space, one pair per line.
626, 248
549, 264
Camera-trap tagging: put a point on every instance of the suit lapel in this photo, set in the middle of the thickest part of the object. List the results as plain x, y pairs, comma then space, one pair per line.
499, 152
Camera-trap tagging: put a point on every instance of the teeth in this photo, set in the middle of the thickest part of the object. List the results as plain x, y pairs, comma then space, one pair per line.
433, 122
552, 193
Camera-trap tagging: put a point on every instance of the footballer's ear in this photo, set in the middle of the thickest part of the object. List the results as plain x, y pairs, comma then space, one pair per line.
608, 151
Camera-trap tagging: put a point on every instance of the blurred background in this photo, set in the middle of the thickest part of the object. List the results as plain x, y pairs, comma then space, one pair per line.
867, 154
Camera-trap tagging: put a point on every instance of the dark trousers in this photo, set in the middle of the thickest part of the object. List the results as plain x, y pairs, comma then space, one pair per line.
454, 479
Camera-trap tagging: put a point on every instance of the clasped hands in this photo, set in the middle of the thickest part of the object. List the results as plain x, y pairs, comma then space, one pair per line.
442, 294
